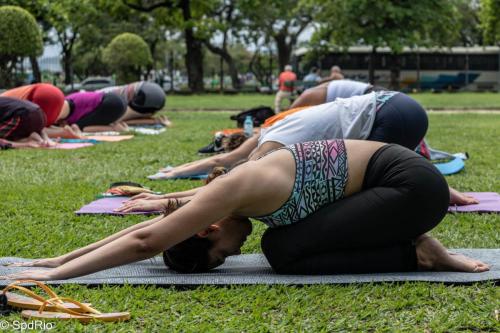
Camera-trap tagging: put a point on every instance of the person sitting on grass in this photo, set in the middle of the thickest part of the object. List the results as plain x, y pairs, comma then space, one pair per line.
384, 116
22, 124
338, 206
144, 99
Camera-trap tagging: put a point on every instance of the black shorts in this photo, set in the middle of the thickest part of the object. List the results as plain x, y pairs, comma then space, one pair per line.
400, 120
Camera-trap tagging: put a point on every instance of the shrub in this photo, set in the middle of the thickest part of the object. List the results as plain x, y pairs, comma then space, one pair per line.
127, 54
20, 37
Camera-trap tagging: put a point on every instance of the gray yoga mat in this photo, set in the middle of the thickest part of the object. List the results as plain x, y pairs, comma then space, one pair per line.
248, 269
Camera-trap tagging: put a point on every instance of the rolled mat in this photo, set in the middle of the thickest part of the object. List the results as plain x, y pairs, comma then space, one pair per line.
161, 176
449, 168
107, 206
249, 269
489, 202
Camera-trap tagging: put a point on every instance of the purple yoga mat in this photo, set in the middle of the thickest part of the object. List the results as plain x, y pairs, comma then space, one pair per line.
489, 202
107, 206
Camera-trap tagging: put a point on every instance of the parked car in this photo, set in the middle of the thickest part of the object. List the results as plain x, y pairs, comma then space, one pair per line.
91, 84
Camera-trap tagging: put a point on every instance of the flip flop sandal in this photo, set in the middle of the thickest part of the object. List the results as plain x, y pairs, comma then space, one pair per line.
33, 301
85, 314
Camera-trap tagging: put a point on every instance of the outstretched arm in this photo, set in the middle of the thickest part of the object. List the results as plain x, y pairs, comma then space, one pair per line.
58, 261
209, 206
174, 195
206, 165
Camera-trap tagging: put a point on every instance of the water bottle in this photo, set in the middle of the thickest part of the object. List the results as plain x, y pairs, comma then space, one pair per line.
248, 126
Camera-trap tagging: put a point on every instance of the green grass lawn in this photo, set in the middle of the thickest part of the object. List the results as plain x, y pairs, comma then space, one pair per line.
246, 101
40, 190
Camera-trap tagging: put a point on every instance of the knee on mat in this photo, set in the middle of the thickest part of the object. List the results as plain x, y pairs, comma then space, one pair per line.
274, 252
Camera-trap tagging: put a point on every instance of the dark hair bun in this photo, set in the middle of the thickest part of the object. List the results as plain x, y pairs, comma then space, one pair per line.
189, 256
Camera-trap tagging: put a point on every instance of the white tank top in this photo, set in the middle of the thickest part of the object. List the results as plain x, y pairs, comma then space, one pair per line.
344, 89
345, 118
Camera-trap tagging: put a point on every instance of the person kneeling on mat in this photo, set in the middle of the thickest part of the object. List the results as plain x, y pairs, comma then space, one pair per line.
21, 124
330, 91
385, 116
144, 99
94, 112
50, 99
351, 198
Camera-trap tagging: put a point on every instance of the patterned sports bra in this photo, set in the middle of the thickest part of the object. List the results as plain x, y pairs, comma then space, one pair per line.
320, 179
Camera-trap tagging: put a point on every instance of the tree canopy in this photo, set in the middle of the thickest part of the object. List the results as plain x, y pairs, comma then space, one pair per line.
387, 23
20, 37
490, 20
127, 53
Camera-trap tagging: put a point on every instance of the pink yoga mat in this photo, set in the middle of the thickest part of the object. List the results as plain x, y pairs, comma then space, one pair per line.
489, 202
107, 206
71, 145
107, 138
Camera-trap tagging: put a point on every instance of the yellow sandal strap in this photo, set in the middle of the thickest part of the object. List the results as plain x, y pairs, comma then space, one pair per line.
41, 285
58, 305
24, 290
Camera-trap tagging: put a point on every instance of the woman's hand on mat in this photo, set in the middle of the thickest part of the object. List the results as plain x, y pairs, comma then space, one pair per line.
39, 275
47, 262
141, 205
461, 199
146, 196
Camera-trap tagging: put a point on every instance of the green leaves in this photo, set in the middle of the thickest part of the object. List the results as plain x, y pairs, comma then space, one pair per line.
490, 20
21, 36
126, 54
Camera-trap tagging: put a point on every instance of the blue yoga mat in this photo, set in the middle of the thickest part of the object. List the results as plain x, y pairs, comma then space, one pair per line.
449, 168
79, 141
158, 176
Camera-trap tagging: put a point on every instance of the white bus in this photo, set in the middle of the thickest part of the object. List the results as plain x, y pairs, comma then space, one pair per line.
457, 68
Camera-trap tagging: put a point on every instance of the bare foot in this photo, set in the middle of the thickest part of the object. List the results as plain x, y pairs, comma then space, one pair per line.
432, 255
461, 199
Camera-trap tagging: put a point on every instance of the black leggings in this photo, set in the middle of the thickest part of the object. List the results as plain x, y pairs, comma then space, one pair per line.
111, 109
400, 120
19, 118
403, 197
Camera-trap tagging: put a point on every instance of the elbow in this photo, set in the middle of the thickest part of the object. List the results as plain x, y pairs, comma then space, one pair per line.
145, 243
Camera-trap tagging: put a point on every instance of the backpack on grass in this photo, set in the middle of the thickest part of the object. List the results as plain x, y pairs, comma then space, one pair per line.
258, 114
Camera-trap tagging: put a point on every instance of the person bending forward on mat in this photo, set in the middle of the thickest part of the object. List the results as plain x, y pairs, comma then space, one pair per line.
144, 99
332, 207
93, 111
50, 99
330, 91
21, 124
384, 116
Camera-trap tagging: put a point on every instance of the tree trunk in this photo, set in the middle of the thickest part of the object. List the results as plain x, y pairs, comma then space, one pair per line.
233, 72
37, 75
228, 59
194, 54
68, 72
284, 51
7, 76
395, 70
194, 62
371, 66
